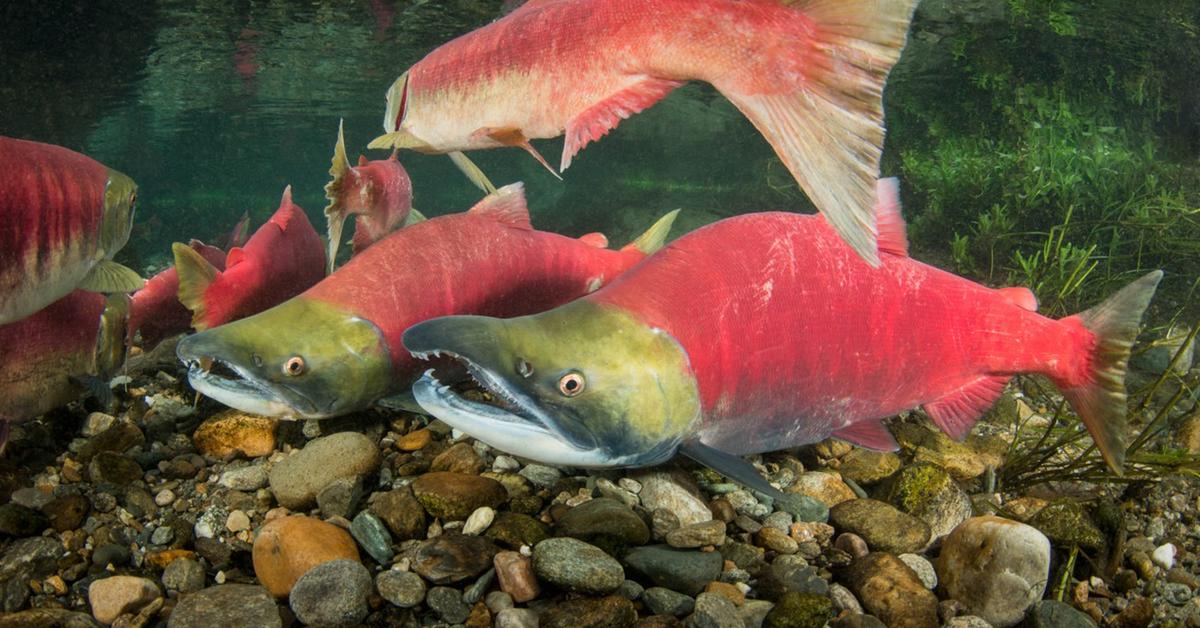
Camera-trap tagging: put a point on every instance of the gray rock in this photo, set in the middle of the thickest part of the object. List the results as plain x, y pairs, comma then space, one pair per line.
1003, 582
297, 479
402, 588
249, 478
112, 468
754, 612
226, 605
1054, 614
803, 507
790, 576
858, 621
340, 496
540, 475
680, 570
448, 604
516, 618
967, 621
452, 558
713, 611
602, 520
497, 601
676, 492
162, 535
843, 599
185, 575
577, 566
663, 601
333, 593
923, 568
48, 618
631, 590
697, 535
372, 536
22, 561
474, 593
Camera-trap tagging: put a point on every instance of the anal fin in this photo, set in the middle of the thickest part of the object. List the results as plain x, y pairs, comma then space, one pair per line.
596, 121
108, 276
596, 239
413, 217
870, 434
957, 412
729, 465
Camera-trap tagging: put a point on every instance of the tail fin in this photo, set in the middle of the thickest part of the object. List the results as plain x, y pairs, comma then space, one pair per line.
827, 125
335, 212
1101, 403
195, 276
656, 236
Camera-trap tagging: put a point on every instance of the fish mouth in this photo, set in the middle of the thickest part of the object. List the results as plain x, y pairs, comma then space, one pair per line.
509, 420
236, 387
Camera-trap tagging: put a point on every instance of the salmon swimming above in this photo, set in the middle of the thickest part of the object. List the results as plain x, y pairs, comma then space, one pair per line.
57, 355
809, 74
63, 216
378, 192
336, 348
763, 332
155, 312
283, 258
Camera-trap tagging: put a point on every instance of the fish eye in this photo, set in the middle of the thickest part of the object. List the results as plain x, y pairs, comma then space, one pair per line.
294, 366
571, 384
524, 368
257, 359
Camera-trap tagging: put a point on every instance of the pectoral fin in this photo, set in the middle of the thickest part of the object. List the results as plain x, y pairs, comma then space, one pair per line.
869, 434
596, 121
108, 276
509, 136
729, 465
472, 171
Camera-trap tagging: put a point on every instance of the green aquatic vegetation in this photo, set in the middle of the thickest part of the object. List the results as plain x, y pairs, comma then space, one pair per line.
1061, 451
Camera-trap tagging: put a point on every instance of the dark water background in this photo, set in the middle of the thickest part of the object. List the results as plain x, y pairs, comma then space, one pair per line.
214, 106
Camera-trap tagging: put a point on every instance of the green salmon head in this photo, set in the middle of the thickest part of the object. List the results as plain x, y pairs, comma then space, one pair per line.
583, 385
120, 199
301, 359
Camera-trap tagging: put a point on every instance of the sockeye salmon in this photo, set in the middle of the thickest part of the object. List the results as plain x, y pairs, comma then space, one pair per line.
378, 192
155, 312
763, 332
809, 74
58, 354
336, 348
283, 258
63, 216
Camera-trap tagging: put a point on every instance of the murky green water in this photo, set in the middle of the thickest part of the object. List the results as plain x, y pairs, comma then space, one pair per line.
214, 106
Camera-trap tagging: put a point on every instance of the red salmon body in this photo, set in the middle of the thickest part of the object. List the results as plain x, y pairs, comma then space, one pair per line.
155, 312
283, 258
808, 74
46, 355
62, 214
488, 261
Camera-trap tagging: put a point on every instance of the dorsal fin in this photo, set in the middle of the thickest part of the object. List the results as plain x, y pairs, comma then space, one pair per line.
1021, 297
287, 210
656, 236
893, 232
236, 256
362, 161
596, 239
958, 411
196, 274
506, 205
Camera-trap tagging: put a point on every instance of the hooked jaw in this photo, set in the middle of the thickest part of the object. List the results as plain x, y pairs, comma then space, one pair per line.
235, 386
562, 389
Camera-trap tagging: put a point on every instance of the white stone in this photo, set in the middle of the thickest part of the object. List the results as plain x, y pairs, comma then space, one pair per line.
998, 568
630, 484
113, 596
164, 497
478, 521
249, 478
675, 491
923, 567
237, 521
505, 464
1164, 555
95, 423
